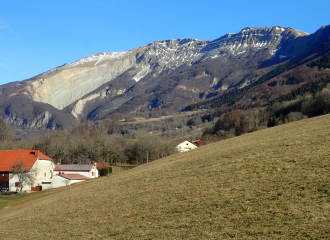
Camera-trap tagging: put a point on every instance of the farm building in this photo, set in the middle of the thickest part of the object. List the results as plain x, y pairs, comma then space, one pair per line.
32, 162
87, 170
104, 168
185, 146
62, 180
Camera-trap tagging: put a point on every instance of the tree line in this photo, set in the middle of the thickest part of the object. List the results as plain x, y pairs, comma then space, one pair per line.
88, 144
305, 104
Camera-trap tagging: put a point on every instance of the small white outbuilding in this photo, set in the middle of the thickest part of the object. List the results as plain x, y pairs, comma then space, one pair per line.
185, 146
62, 180
87, 170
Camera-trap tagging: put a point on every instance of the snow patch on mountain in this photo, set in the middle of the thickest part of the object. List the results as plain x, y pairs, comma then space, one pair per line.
145, 70
241, 52
97, 58
280, 28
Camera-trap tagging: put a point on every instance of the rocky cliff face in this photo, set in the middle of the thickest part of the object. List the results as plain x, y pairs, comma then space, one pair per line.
72, 82
162, 72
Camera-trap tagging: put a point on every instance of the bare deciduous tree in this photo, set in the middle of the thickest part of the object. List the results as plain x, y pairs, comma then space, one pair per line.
24, 176
4, 130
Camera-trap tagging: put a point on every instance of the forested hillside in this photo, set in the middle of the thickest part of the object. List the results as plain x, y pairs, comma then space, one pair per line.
293, 91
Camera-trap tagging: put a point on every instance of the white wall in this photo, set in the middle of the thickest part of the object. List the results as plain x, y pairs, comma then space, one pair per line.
96, 172
38, 172
75, 181
46, 186
43, 169
84, 173
12, 180
185, 146
59, 181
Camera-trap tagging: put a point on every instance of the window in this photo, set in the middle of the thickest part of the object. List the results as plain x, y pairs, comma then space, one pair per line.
45, 174
92, 173
3, 174
17, 184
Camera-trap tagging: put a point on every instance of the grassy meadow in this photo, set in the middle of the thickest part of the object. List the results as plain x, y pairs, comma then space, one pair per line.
270, 184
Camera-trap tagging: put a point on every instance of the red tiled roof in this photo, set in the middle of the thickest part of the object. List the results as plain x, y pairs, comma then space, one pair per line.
102, 165
74, 167
200, 143
74, 176
10, 157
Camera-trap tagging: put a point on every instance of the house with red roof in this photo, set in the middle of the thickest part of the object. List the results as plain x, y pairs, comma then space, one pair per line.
87, 170
33, 162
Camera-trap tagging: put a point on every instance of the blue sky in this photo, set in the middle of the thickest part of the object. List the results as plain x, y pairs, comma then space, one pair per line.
39, 35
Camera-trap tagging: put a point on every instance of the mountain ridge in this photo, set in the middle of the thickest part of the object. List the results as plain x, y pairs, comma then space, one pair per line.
162, 73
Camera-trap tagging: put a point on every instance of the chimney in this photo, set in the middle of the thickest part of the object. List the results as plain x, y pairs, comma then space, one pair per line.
37, 151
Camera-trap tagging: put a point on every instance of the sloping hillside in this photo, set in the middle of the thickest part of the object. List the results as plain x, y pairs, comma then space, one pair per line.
270, 184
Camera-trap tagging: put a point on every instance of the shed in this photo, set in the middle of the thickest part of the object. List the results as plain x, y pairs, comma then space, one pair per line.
87, 170
103, 168
62, 180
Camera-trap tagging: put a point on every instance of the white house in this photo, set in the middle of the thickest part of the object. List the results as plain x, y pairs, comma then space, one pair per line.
185, 146
62, 180
32, 162
87, 170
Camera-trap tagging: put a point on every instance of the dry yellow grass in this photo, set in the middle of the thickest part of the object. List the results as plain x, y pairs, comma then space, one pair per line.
270, 184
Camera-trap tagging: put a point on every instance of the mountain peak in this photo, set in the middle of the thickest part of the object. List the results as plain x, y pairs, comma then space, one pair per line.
272, 30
